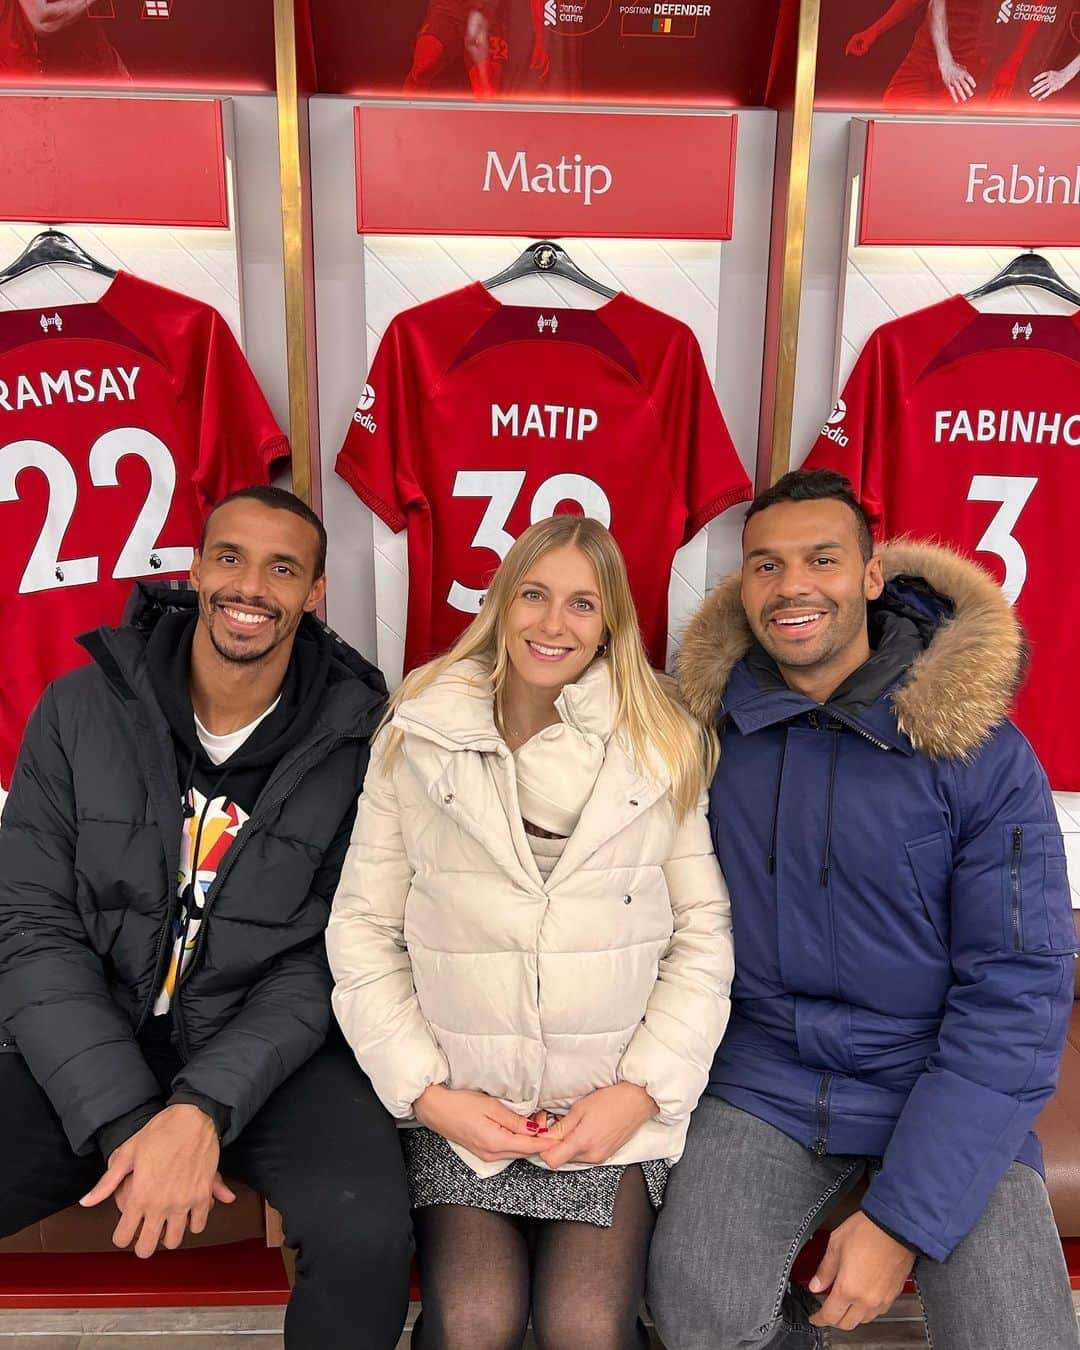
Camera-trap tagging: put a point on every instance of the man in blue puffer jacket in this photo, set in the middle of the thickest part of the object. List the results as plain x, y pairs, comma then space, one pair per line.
904, 950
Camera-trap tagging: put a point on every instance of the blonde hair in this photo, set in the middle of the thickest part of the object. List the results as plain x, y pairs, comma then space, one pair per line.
648, 712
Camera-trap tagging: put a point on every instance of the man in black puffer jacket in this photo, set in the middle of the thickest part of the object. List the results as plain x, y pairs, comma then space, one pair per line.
220, 738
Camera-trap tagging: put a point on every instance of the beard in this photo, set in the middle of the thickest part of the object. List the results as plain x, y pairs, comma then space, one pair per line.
235, 649
846, 624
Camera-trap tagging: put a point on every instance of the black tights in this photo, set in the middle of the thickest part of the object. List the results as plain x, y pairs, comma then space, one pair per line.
481, 1273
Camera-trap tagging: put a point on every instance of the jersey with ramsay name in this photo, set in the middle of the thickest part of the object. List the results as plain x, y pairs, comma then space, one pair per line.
480, 418
122, 421
965, 427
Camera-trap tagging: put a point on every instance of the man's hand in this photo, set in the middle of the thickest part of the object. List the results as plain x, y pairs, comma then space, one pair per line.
598, 1125
49, 16
957, 79
540, 62
866, 1270
860, 43
1049, 82
478, 1122
164, 1179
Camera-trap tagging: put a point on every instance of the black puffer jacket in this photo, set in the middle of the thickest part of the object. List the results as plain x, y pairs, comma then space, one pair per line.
89, 859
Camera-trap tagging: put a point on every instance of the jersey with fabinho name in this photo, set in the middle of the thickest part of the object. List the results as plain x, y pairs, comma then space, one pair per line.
480, 418
121, 422
965, 427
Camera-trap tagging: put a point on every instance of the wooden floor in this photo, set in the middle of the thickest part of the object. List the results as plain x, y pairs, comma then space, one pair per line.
260, 1329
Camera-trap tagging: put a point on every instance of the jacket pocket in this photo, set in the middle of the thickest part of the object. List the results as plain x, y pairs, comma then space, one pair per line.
1037, 905
931, 863
7, 1042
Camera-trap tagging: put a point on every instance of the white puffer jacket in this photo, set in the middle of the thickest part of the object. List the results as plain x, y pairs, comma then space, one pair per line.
456, 964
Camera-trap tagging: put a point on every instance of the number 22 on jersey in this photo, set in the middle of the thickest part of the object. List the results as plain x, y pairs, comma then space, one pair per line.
141, 554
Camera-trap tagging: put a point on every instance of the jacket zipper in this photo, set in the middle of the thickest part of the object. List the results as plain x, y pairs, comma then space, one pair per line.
155, 984
174, 1004
814, 720
1014, 879
821, 1143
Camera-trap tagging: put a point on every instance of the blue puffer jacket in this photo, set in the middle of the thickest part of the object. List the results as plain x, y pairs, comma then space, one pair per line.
903, 931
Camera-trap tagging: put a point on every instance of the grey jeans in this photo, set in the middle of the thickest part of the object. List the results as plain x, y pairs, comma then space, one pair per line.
745, 1198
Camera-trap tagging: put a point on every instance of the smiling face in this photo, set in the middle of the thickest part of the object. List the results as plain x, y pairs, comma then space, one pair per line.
555, 621
255, 575
805, 587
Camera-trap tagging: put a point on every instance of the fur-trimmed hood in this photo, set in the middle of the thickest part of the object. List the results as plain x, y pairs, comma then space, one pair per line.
953, 694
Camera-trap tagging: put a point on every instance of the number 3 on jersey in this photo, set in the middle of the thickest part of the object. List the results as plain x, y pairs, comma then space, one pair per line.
503, 487
45, 569
1013, 494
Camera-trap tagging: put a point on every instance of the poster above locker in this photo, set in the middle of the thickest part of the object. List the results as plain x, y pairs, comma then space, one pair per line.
142, 44
1015, 57
715, 52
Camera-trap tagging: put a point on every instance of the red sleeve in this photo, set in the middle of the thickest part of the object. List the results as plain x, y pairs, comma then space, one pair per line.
239, 440
708, 473
18, 45
854, 441
376, 459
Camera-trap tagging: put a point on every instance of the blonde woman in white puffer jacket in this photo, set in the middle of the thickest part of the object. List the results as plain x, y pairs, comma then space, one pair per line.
531, 943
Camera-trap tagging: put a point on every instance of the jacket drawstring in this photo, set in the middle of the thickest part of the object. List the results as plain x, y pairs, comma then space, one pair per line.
829, 809
776, 810
189, 805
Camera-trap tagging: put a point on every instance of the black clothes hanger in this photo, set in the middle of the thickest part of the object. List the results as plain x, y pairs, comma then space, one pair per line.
50, 248
547, 258
1028, 269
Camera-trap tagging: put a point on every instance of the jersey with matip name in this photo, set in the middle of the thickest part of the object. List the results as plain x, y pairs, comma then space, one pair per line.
122, 421
479, 419
965, 427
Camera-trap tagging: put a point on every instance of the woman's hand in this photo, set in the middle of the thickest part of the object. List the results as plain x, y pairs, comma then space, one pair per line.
598, 1125
479, 1123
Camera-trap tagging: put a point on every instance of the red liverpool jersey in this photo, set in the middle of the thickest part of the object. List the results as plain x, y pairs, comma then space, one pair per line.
480, 418
121, 423
966, 427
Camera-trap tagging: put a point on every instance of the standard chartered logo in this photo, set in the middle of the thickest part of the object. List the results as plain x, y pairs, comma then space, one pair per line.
1026, 11
551, 16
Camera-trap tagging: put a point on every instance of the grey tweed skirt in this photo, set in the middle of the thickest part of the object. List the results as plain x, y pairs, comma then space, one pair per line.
437, 1176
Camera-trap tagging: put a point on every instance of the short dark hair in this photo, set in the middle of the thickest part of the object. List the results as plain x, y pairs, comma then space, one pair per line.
278, 500
819, 485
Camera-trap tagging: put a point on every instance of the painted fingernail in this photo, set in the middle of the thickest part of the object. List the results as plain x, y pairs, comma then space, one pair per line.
531, 1126
543, 1130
